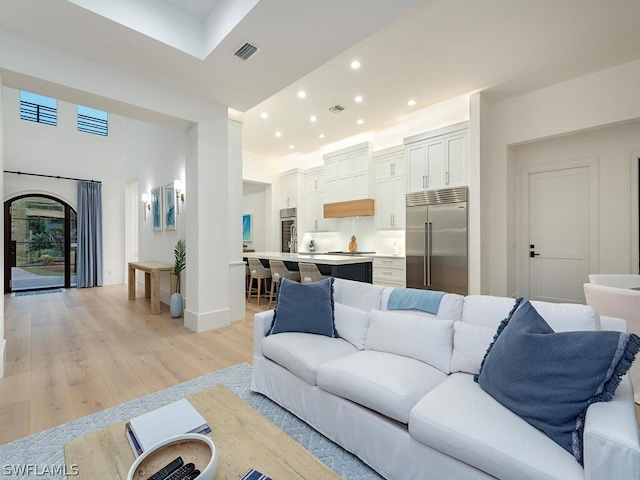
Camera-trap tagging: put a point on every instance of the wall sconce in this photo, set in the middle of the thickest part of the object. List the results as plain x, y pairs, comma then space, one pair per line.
177, 186
145, 205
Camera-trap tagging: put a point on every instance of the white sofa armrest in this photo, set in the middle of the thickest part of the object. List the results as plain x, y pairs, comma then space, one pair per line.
613, 323
261, 325
611, 439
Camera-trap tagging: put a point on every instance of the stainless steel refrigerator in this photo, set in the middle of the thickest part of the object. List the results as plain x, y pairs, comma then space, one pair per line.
436, 240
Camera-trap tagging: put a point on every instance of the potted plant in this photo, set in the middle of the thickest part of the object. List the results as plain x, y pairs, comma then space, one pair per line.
180, 256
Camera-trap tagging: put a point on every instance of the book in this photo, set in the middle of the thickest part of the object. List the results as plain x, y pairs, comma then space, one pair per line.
176, 418
253, 474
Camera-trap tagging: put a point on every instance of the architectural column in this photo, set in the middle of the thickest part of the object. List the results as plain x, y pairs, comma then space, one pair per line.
207, 177
478, 129
3, 341
236, 264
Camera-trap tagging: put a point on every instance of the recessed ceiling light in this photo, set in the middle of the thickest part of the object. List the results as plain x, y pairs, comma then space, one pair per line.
278, 134
313, 118
358, 98
411, 102
264, 115
360, 121
355, 64
302, 94
322, 135
291, 147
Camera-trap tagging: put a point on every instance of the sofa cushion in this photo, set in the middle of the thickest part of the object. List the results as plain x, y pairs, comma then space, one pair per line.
426, 339
550, 378
364, 296
304, 307
301, 353
470, 344
450, 305
488, 311
352, 324
387, 383
460, 419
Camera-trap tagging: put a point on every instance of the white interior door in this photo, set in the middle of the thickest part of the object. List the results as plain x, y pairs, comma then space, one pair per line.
560, 232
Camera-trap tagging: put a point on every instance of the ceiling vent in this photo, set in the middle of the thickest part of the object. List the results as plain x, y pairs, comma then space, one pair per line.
245, 51
336, 109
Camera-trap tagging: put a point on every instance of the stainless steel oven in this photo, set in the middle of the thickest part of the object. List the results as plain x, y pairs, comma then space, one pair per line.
288, 231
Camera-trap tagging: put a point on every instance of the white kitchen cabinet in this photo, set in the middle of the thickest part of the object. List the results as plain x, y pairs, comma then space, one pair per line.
437, 159
348, 174
390, 189
389, 271
291, 184
314, 202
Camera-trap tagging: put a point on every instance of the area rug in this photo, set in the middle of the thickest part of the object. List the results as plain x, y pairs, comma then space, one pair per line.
30, 457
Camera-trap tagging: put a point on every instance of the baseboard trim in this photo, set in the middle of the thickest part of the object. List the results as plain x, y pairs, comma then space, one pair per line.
201, 322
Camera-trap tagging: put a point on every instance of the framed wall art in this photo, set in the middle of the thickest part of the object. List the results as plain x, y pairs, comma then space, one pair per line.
247, 227
156, 209
170, 217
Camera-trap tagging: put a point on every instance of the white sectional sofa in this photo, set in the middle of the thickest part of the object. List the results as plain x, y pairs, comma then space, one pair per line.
401, 396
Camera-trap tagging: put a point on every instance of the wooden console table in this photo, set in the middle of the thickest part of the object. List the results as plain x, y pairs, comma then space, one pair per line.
151, 281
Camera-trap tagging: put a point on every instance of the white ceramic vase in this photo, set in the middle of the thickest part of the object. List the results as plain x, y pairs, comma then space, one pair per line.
175, 305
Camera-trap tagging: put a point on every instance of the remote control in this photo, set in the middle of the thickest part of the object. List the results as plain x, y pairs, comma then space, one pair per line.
182, 472
167, 470
193, 475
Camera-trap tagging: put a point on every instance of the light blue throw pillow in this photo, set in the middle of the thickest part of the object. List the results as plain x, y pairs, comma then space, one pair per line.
305, 308
549, 379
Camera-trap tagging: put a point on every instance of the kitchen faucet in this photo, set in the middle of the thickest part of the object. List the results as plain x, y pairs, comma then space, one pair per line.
293, 242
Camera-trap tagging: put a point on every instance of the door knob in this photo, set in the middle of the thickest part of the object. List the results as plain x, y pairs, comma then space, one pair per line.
533, 254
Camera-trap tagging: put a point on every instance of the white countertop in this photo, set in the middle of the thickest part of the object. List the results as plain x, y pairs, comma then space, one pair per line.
310, 258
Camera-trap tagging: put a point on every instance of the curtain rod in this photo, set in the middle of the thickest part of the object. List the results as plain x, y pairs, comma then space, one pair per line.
52, 176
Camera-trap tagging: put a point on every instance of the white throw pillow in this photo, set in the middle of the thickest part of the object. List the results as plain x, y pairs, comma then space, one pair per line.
470, 344
489, 311
362, 295
351, 324
426, 339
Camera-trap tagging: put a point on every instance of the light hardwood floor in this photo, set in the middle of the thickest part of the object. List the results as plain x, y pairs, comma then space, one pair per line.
74, 353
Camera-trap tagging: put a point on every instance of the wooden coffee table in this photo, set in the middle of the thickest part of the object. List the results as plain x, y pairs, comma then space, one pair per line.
243, 438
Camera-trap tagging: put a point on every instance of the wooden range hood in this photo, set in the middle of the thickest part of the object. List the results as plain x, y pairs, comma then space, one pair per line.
351, 208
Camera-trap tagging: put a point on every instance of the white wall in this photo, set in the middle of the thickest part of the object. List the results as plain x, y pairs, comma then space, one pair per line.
158, 156
133, 149
611, 145
254, 201
603, 98
62, 150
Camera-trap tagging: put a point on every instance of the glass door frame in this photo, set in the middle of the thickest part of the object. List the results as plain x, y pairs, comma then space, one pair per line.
7, 240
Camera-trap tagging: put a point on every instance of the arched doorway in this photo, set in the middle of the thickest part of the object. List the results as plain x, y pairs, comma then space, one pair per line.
40, 243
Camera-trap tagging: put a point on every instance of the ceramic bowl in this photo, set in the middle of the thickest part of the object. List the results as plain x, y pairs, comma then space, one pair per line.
192, 447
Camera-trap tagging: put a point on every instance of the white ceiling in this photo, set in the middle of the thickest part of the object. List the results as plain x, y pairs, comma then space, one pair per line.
429, 50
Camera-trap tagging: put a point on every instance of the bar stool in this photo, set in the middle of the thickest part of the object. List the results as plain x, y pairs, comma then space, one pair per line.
260, 274
309, 273
278, 271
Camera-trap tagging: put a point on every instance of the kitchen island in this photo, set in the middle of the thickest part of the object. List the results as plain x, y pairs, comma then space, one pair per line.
350, 267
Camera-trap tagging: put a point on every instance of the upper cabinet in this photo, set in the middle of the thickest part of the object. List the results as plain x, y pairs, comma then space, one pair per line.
438, 159
390, 188
348, 174
315, 200
291, 183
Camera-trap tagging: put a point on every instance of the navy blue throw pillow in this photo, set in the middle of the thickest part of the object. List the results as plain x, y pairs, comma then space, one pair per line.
549, 379
306, 308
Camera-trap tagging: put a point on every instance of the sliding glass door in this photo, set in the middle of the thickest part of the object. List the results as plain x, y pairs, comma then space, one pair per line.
40, 243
